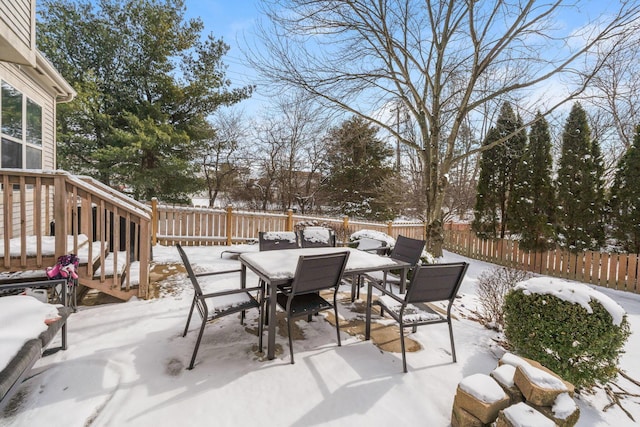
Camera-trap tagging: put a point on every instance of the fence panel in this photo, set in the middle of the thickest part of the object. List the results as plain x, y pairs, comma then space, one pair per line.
616, 271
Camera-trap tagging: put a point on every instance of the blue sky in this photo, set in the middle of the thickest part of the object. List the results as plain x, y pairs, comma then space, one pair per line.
231, 20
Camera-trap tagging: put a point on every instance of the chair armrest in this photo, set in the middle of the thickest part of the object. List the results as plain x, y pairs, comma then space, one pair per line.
388, 293
40, 284
214, 273
230, 292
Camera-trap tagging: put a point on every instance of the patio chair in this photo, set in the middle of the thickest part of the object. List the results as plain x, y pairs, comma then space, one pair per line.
407, 250
430, 283
218, 304
314, 273
274, 240
368, 244
317, 237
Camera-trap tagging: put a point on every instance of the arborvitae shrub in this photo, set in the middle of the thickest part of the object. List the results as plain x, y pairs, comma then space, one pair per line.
583, 348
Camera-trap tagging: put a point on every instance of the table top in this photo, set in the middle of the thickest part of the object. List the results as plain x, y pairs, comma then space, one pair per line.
280, 265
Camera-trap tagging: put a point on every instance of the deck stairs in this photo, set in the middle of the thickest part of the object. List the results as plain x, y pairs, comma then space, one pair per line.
47, 214
121, 282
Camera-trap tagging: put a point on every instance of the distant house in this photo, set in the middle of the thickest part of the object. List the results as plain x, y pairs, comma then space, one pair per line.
30, 89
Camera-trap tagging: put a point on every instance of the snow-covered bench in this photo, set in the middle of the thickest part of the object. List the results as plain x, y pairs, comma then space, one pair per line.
27, 327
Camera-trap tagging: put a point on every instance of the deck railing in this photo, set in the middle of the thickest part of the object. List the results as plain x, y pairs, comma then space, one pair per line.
41, 209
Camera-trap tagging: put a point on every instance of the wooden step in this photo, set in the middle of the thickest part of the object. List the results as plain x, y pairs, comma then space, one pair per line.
48, 245
109, 265
96, 249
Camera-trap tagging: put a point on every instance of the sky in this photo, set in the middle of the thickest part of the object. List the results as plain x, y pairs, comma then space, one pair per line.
233, 21
126, 366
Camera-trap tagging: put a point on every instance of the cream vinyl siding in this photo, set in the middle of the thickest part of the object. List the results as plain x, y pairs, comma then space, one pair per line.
17, 31
13, 75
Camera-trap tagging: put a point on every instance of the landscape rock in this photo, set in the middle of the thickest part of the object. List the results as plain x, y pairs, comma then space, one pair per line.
522, 414
538, 386
481, 396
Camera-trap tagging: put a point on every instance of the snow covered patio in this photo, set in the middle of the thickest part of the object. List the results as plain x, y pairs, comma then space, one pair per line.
126, 366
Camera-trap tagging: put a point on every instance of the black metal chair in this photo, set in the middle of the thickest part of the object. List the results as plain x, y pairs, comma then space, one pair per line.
218, 304
407, 250
314, 273
430, 283
317, 237
368, 244
274, 240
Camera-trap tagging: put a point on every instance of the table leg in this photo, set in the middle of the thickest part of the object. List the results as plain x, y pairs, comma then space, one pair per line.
403, 280
271, 341
243, 285
367, 330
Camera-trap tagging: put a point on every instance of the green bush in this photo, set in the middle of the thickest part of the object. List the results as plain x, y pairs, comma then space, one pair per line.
581, 347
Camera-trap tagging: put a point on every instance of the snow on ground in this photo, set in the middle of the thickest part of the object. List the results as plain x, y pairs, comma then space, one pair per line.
125, 366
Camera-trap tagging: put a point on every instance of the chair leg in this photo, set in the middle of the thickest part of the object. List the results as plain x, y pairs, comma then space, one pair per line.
195, 349
335, 310
290, 339
404, 356
260, 320
193, 304
453, 347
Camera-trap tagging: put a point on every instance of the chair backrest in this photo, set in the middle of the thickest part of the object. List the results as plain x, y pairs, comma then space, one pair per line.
317, 272
187, 266
273, 240
408, 250
367, 243
317, 237
436, 282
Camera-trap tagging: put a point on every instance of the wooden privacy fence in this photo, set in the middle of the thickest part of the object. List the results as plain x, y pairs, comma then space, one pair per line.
615, 271
208, 226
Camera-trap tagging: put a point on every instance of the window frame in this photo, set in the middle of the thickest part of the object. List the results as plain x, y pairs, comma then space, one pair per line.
31, 143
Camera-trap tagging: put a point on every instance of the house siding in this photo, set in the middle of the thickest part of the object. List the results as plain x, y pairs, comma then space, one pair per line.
17, 31
13, 75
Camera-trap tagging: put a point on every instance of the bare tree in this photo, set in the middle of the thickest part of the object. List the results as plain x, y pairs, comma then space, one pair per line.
220, 163
447, 61
615, 99
290, 137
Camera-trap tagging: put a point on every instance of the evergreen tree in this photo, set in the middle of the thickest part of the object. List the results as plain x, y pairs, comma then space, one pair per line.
533, 198
597, 208
498, 174
146, 84
486, 216
578, 183
625, 198
357, 170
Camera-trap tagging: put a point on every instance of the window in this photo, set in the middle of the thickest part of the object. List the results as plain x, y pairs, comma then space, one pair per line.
21, 130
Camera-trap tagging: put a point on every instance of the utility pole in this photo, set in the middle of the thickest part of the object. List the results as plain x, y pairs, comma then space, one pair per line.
398, 136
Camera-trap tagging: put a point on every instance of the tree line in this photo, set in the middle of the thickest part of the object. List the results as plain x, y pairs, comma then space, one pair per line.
522, 194
151, 114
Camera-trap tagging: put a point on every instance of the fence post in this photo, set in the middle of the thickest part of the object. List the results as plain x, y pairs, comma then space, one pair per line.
60, 215
154, 221
390, 228
289, 226
345, 222
229, 224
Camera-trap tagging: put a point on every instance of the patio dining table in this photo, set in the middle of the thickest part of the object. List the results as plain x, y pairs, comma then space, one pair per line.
278, 267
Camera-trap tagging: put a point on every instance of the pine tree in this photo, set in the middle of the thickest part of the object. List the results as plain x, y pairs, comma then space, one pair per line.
486, 218
597, 208
498, 174
625, 199
533, 198
357, 169
580, 198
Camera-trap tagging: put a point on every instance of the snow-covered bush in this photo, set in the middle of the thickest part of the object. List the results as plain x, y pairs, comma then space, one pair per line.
570, 328
493, 285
